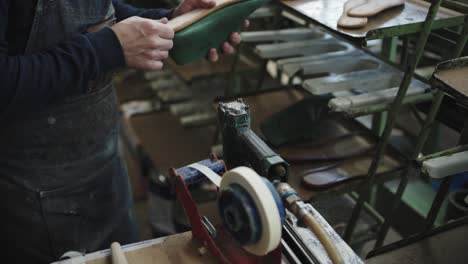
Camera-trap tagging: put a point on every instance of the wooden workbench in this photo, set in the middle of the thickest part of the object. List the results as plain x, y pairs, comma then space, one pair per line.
181, 248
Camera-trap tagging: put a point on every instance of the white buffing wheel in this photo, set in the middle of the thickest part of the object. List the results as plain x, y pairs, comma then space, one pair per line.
265, 204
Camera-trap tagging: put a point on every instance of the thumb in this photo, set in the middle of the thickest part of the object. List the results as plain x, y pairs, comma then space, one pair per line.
163, 20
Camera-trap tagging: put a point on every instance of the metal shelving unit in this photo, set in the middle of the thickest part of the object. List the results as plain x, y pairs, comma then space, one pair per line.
405, 20
414, 17
447, 80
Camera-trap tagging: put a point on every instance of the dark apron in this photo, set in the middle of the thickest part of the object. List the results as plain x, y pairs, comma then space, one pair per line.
63, 185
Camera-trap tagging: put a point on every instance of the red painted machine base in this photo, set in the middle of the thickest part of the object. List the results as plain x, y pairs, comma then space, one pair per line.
224, 247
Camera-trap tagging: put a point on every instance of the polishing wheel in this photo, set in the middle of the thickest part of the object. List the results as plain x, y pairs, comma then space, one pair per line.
251, 210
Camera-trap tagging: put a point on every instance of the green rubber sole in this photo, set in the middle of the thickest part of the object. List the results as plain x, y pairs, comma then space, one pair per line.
194, 42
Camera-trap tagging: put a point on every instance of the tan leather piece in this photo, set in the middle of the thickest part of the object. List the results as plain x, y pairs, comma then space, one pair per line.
342, 172
345, 21
187, 19
337, 148
373, 7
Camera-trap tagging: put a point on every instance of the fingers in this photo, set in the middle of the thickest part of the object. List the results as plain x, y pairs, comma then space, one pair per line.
152, 65
155, 42
235, 38
151, 59
151, 27
163, 20
145, 43
144, 63
213, 55
165, 31
206, 3
156, 54
246, 23
227, 48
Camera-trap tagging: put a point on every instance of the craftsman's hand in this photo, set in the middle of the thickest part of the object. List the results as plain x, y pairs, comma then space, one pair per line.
227, 46
189, 5
145, 42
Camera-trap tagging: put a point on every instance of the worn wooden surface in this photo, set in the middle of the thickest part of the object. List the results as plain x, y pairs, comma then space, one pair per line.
181, 248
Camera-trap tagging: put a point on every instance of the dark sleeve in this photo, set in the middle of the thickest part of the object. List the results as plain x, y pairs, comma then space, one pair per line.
28, 82
123, 11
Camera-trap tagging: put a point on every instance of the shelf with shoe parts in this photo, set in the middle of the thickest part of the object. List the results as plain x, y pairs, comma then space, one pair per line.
361, 82
459, 93
398, 20
324, 64
449, 78
414, 17
363, 87
329, 144
306, 54
364, 83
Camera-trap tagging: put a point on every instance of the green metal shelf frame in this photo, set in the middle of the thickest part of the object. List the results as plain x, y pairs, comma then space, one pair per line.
391, 31
379, 108
424, 29
393, 113
415, 162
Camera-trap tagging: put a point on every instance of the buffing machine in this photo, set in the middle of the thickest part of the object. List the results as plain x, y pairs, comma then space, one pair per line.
253, 202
